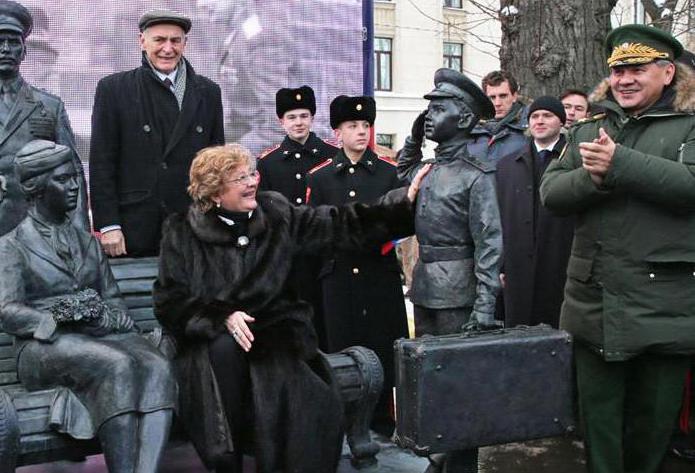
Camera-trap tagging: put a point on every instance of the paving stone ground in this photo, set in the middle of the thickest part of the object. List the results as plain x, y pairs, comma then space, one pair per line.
556, 455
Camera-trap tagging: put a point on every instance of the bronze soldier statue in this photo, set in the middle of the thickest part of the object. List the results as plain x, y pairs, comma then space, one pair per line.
26, 113
60, 300
457, 224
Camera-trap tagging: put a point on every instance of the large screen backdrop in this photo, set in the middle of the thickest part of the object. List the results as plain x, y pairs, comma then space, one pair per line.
251, 48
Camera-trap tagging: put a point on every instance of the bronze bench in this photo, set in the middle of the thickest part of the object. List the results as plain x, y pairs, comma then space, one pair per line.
26, 439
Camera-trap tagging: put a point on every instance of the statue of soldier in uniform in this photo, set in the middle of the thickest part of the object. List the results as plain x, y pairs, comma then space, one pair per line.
457, 224
60, 300
26, 114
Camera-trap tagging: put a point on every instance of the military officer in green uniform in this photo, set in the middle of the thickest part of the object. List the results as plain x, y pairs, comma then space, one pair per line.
629, 176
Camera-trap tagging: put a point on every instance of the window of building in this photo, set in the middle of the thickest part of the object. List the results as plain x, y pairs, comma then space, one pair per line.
453, 56
382, 63
385, 140
453, 3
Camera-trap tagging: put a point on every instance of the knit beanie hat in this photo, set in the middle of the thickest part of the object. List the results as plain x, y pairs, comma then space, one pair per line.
550, 104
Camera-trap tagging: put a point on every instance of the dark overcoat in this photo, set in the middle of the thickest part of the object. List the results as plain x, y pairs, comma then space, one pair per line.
36, 115
631, 274
139, 163
536, 242
362, 293
284, 169
205, 276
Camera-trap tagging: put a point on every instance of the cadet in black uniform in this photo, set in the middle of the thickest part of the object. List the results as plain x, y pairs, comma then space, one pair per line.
283, 167
362, 294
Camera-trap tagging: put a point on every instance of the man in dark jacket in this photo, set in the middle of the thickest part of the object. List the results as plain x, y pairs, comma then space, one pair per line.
26, 114
457, 222
362, 293
284, 167
504, 134
147, 125
629, 176
536, 243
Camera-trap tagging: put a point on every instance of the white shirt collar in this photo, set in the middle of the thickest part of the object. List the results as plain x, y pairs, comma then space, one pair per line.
550, 147
229, 221
171, 76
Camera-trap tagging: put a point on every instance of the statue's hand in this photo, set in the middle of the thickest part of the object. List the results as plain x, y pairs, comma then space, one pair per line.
417, 133
123, 322
481, 322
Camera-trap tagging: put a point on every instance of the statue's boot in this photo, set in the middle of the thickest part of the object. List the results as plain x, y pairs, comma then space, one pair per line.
460, 461
230, 463
153, 434
436, 463
118, 437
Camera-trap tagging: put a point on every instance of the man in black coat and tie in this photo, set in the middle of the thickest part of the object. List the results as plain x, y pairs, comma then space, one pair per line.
147, 125
536, 242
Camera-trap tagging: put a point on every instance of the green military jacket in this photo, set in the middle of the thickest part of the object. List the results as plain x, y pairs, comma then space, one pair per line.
631, 275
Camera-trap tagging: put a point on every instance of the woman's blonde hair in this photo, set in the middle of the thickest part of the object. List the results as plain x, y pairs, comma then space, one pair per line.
211, 167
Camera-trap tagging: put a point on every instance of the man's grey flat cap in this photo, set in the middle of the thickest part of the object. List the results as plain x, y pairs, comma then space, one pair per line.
157, 17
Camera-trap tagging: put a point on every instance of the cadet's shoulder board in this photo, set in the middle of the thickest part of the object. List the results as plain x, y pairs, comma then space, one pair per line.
562, 153
267, 151
320, 166
335, 142
593, 118
388, 160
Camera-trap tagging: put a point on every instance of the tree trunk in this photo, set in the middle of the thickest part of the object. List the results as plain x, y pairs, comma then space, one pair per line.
552, 46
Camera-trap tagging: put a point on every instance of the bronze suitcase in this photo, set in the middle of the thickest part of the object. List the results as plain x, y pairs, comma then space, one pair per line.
483, 388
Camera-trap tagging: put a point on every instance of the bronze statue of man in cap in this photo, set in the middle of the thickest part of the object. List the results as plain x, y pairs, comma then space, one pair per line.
26, 113
457, 223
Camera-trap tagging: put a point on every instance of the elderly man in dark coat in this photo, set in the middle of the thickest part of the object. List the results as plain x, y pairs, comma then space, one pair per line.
26, 114
536, 242
61, 302
457, 222
147, 125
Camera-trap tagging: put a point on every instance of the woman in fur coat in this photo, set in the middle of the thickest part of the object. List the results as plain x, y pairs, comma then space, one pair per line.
247, 362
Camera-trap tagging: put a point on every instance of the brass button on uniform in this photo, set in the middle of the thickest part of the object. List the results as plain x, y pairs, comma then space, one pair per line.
352, 193
199, 129
355, 270
164, 166
147, 128
298, 176
297, 155
298, 200
352, 170
652, 275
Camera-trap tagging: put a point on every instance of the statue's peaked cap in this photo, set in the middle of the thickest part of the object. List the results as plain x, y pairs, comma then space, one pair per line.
449, 83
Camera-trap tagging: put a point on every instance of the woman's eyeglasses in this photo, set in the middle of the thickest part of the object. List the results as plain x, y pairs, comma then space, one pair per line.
244, 180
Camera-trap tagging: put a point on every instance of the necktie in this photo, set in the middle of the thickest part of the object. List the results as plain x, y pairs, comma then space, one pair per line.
5, 103
544, 157
167, 82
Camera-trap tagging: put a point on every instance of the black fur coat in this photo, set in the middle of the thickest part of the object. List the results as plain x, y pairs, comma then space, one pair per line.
204, 276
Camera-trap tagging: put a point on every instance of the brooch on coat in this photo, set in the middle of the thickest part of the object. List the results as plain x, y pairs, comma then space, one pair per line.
242, 241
